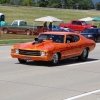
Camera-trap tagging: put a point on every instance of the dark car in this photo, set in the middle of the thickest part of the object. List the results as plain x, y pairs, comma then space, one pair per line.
58, 28
92, 33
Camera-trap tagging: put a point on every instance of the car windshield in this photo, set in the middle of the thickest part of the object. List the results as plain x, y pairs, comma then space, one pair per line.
84, 23
90, 31
54, 37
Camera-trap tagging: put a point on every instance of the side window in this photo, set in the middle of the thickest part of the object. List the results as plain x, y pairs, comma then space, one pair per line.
22, 23
74, 22
76, 38
79, 23
70, 39
15, 23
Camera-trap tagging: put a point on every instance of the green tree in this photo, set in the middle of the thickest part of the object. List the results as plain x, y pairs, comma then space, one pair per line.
42, 3
27, 2
4, 1
97, 6
54, 3
87, 4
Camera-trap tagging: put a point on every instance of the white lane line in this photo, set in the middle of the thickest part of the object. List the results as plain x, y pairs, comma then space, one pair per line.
83, 63
82, 95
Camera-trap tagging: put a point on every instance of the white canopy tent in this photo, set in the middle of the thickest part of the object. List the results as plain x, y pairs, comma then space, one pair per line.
48, 19
86, 19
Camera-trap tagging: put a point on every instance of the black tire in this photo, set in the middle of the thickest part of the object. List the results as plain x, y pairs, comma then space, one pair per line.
84, 55
21, 61
55, 59
95, 39
28, 32
5, 30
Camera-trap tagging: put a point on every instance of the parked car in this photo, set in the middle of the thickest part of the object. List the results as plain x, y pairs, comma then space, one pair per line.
77, 25
58, 28
54, 46
92, 33
19, 26
67, 29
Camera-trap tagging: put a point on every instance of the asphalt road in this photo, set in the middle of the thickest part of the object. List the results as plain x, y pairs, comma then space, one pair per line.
70, 80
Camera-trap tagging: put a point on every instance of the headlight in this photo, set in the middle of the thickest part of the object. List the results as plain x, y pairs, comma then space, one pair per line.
90, 36
17, 51
42, 53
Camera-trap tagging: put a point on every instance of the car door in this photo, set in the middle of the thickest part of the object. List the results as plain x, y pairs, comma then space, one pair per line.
13, 26
74, 25
72, 47
22, 26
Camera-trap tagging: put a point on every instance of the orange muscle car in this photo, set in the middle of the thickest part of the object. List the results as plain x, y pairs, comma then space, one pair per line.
53, 47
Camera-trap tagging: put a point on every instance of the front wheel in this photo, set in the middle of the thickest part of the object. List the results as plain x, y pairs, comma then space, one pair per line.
55, 59
5, 31
84, 55
28, 32
21, 61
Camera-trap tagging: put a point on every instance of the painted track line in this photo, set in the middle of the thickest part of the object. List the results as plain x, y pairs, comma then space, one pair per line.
82, 63
82, 95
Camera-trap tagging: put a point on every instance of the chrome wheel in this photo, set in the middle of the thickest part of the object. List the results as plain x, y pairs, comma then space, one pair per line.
84, 55
55, 59
5, 31
28, 32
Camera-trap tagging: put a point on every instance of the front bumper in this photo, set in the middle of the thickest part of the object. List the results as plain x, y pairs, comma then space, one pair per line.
34, 58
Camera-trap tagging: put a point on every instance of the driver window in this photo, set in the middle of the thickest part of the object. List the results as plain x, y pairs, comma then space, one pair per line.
79, 23
69, 39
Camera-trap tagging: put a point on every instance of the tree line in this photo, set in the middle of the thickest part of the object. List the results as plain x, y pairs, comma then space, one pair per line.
65, 4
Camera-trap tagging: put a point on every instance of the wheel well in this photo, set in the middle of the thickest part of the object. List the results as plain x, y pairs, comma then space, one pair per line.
59, 54
88, 48
4, 28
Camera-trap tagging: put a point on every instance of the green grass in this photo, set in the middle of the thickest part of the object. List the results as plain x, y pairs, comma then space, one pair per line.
31, 13
15, 38
15, 41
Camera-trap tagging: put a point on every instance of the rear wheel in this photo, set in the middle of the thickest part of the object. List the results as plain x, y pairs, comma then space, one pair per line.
55, 59
21, 61
84, 55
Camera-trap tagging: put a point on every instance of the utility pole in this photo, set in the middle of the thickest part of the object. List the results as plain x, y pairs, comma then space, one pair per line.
0, 28
62, 3
77, 5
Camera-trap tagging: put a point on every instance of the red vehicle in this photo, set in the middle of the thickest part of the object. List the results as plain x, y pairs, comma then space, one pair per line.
77, 25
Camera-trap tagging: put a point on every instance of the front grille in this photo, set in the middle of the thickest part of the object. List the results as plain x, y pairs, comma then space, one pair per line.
29, 52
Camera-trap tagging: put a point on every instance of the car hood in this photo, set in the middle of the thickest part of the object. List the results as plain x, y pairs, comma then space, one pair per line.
46, 45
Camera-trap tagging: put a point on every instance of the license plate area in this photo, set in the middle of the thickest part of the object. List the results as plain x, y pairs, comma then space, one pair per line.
27, 58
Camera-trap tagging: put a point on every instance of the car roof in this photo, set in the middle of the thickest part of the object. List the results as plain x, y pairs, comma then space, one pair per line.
19, 20
59, 33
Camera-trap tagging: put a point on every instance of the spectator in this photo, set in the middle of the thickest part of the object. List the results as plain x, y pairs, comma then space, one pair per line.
50, 26
45, 27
